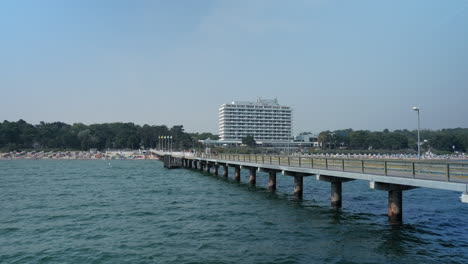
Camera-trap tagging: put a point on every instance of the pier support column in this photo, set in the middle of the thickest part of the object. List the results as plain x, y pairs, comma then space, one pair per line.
195, 164
215, 172
190, 163
336, 188
298, 186
208, 167
200, 165
336, 194
237, 173
395, 200
225, 171
298, 182
253, 176
272, 181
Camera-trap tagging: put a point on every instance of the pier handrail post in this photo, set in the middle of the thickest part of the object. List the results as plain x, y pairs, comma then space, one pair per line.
300, 165
312, 163
263, 159
270, 159
342, 164
385, 168
326, 163
289, 162
362, 166
448, 172
413, 169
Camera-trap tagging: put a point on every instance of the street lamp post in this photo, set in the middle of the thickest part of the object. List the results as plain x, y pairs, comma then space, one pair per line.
334, 140
415, 108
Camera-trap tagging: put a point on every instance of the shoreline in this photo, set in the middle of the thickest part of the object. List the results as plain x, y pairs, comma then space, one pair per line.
77, 155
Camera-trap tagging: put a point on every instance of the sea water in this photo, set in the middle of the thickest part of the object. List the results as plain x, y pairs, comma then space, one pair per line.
93, 211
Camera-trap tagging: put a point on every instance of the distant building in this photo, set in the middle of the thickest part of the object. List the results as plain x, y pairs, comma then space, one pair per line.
308, 140
266, 120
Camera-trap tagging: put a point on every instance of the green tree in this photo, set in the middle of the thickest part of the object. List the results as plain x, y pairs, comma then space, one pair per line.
249, 140
359, 139
324, 138
21, 135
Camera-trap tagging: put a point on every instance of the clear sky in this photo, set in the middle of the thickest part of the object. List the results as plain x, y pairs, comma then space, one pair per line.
340, 64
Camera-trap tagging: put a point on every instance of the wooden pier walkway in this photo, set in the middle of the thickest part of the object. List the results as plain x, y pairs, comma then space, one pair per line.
393, 176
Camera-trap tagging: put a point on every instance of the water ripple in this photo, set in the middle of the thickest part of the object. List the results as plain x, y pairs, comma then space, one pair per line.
138, 212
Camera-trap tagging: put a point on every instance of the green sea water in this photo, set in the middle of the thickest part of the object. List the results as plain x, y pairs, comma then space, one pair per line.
90, 211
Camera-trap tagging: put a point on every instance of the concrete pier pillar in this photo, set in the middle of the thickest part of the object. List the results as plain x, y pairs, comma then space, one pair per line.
237, 173
208, 167
190, 163
395, 200
298, 187
253, 176
336, 194
272, 181
215, 172
336, 188
225, 171
200, 165
395, 207
195, 164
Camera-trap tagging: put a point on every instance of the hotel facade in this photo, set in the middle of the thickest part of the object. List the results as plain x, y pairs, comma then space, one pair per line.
266, 120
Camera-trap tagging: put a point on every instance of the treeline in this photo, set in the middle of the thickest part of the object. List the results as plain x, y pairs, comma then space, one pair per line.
446, 140
58, 135
21, 135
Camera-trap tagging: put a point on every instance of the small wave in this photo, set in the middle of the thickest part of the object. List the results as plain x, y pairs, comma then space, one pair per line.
95, 237
8, 230
146, 213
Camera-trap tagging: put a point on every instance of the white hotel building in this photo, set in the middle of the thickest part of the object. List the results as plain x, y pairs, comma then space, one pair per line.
265, 120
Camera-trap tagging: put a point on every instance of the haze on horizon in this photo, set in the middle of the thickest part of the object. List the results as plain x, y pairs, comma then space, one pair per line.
339, 64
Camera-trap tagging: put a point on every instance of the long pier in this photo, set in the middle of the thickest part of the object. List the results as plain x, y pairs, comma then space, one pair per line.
393, 176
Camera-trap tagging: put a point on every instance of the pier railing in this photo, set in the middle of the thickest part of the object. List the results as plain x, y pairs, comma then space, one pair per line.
448, 171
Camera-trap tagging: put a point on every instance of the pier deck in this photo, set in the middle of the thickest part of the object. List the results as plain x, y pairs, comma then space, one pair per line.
394, 176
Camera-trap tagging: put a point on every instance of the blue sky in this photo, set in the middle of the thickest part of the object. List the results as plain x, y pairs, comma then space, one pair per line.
339, 64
